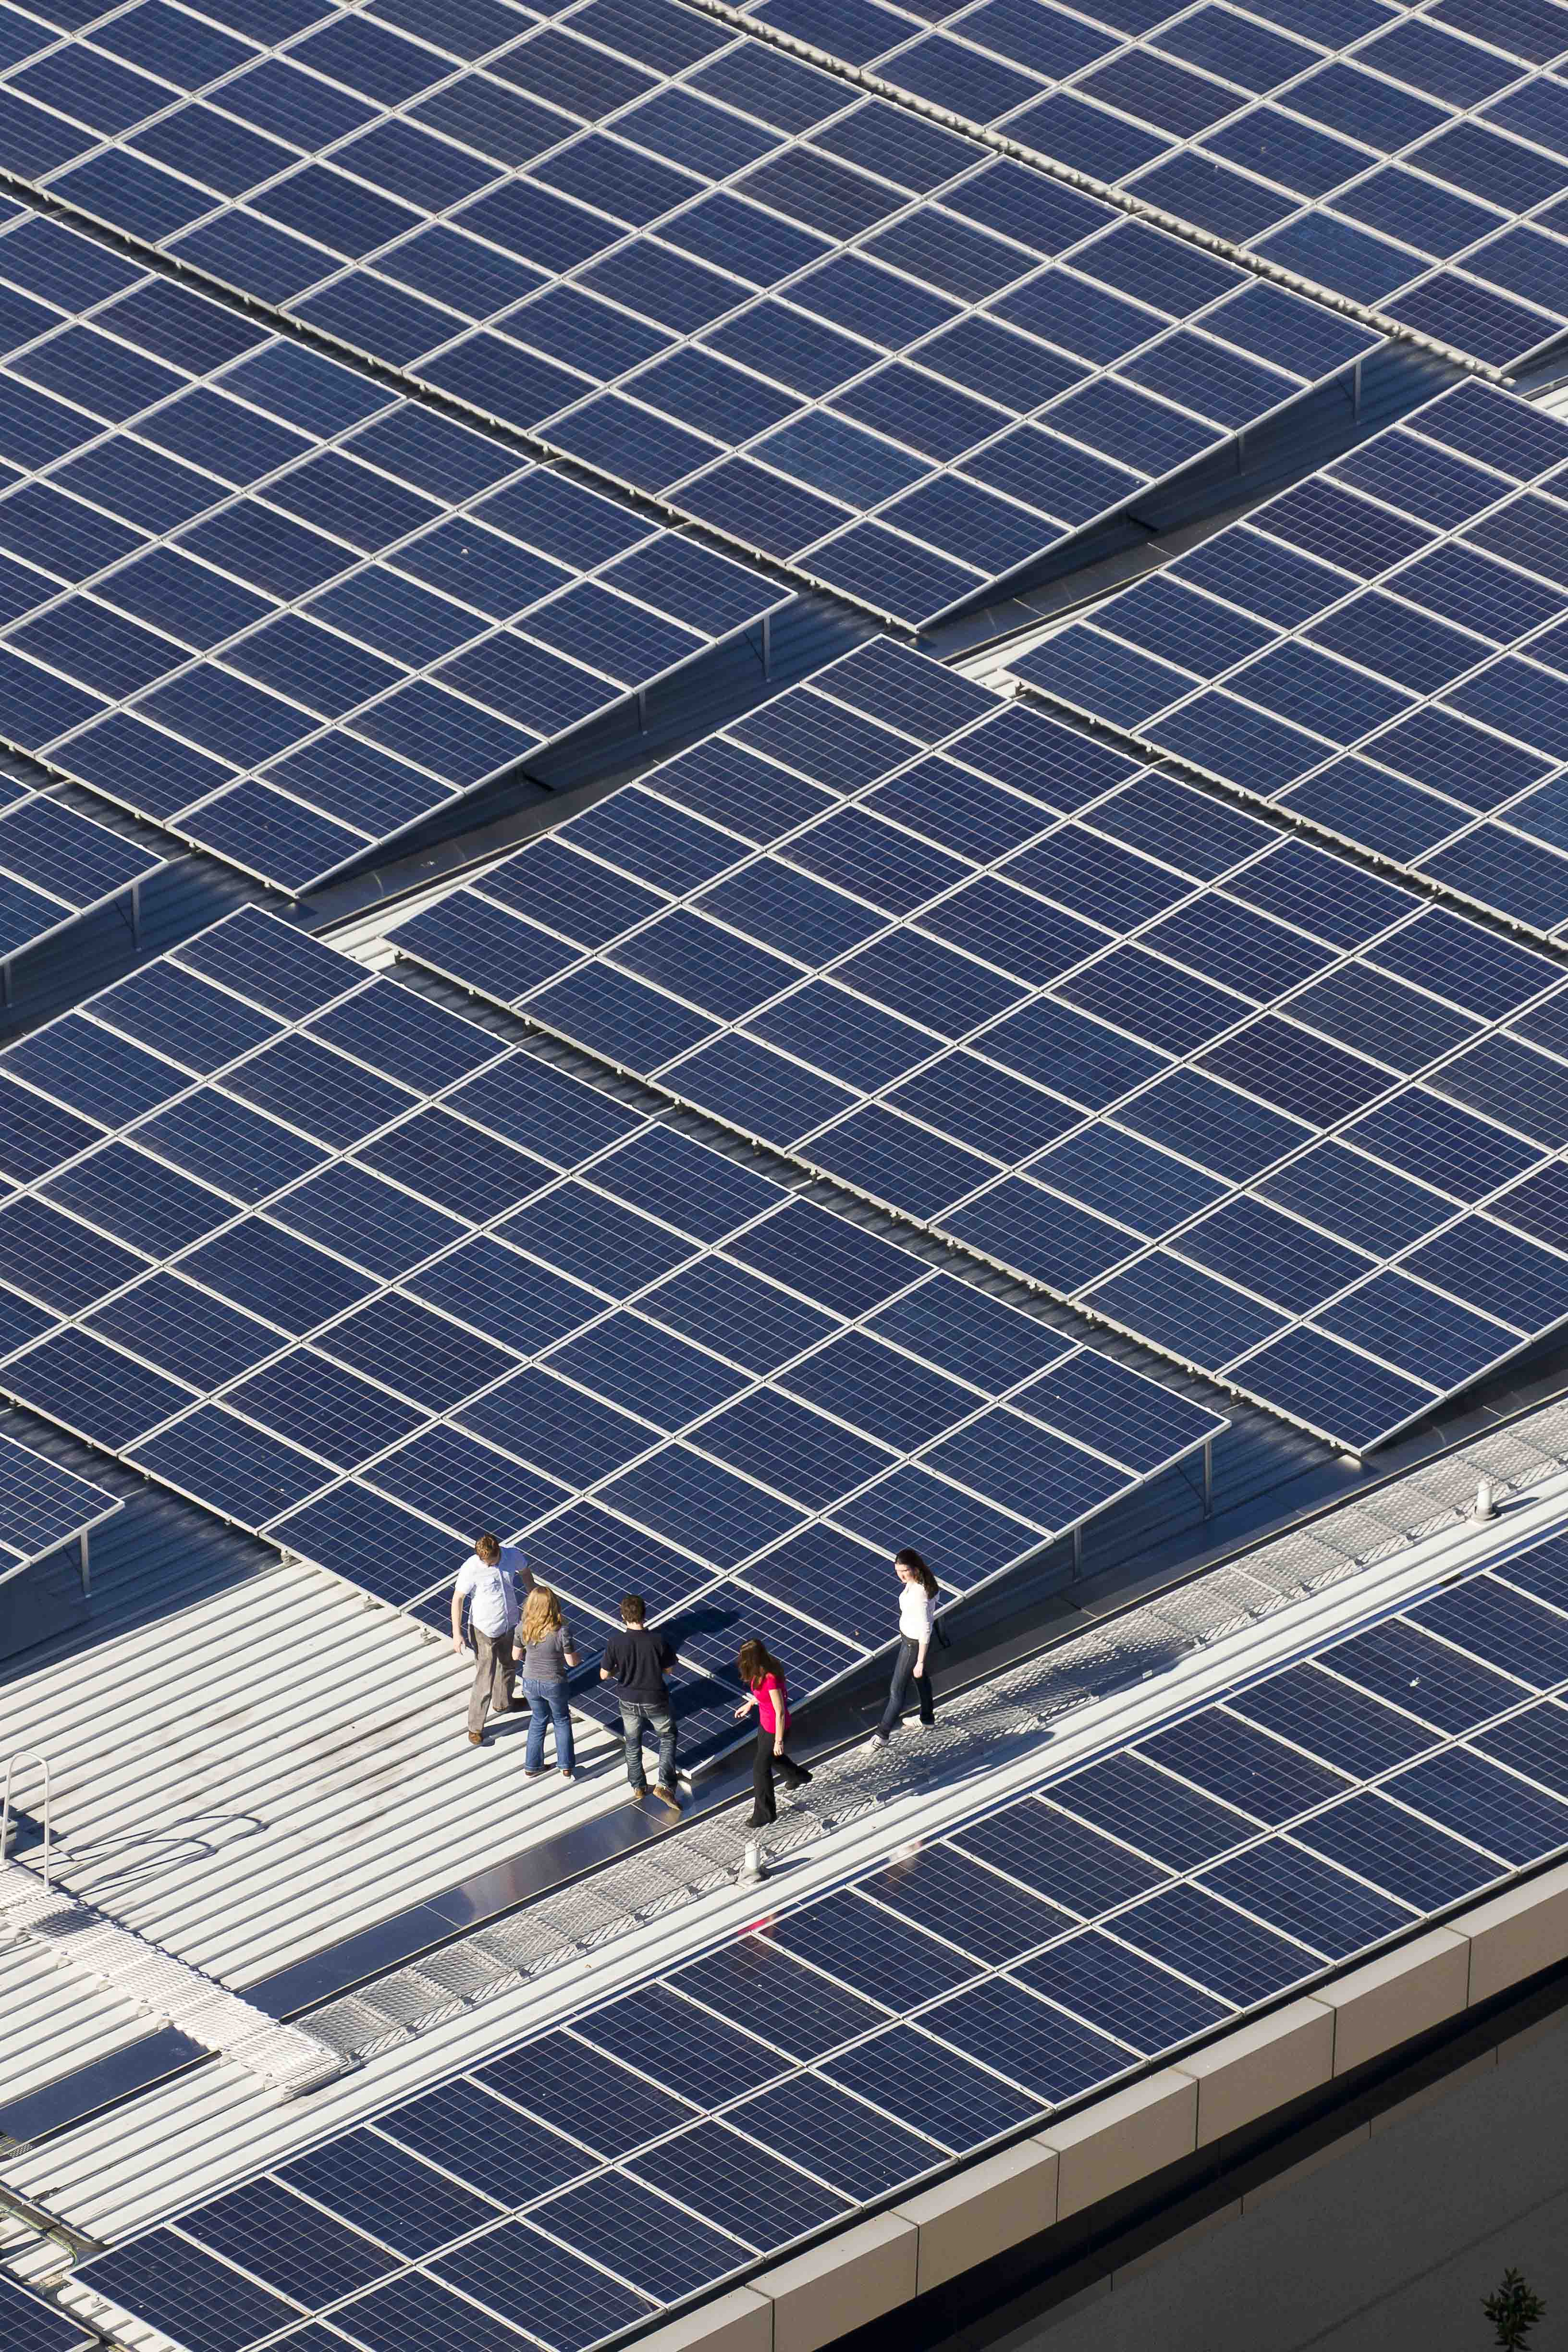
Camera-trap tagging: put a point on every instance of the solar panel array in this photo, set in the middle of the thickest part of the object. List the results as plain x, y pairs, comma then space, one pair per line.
577, 2185
55, 866
1381, 651
1412, 159
839, 335
1284, 1119
42, 1507
27, 2325
268, 604
352, 1271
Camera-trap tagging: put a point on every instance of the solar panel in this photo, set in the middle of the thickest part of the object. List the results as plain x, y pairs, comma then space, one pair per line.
28, 2324
269, 605
838, 335
361, 1277
1023, 1958
1378, 652
1380, 153
42, 1507
57, 865
1269, 1112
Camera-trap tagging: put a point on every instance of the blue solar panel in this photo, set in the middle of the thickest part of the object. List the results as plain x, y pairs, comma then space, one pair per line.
373, 1278
43, 1505
28, 2324
1077, 1043
658, 250
284, 651
1421, 680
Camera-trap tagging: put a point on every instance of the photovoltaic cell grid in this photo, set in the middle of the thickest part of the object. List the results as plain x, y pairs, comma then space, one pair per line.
41, 1508
1382, 651
57, 865
348, 1269
27, 2324
839, 335
1279, 1117
1036, 1952
273, 605
1412, 159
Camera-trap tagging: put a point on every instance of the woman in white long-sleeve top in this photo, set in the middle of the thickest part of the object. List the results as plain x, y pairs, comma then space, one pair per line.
916, 1630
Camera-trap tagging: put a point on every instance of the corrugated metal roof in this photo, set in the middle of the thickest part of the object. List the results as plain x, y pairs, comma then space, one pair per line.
54, 2019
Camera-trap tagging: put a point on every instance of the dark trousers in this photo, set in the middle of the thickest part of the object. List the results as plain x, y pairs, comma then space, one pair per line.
493, 1672
765, 1765
635, 1713
898, 1688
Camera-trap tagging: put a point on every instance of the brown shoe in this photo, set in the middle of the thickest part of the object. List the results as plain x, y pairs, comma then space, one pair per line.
669, 1796
476, 1739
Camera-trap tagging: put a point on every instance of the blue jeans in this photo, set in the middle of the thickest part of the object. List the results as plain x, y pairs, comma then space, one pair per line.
635, 1713
548, 1700
904, 1678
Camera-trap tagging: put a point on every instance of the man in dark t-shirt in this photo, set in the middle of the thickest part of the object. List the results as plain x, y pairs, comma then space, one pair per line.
637, 1662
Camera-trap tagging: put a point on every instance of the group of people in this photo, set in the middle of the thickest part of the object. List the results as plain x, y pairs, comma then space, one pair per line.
520, 1638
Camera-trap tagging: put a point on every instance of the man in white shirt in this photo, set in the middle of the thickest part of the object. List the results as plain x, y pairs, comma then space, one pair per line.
488, 1581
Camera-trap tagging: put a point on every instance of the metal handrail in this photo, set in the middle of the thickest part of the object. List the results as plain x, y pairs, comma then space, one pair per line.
11, 1765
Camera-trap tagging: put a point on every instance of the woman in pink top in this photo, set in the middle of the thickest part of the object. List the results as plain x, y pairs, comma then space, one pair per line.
764, 1680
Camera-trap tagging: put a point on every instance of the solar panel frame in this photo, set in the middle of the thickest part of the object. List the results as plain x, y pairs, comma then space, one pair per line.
882, 1992
711, 458
44, 1506
30, 2325
1146, 903
58, 865
244, 1382
267, 691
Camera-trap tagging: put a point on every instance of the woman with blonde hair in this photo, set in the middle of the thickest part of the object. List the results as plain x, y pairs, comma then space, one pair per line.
544, 1640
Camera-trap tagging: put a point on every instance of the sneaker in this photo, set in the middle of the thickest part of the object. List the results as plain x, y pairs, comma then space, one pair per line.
877, 1740
670, 1797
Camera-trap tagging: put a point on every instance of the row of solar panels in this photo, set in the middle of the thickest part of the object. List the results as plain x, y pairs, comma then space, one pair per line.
1273, 1114
582, 2181
353, 1271
1381, 651
261, 600
841, 336
1411, 159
